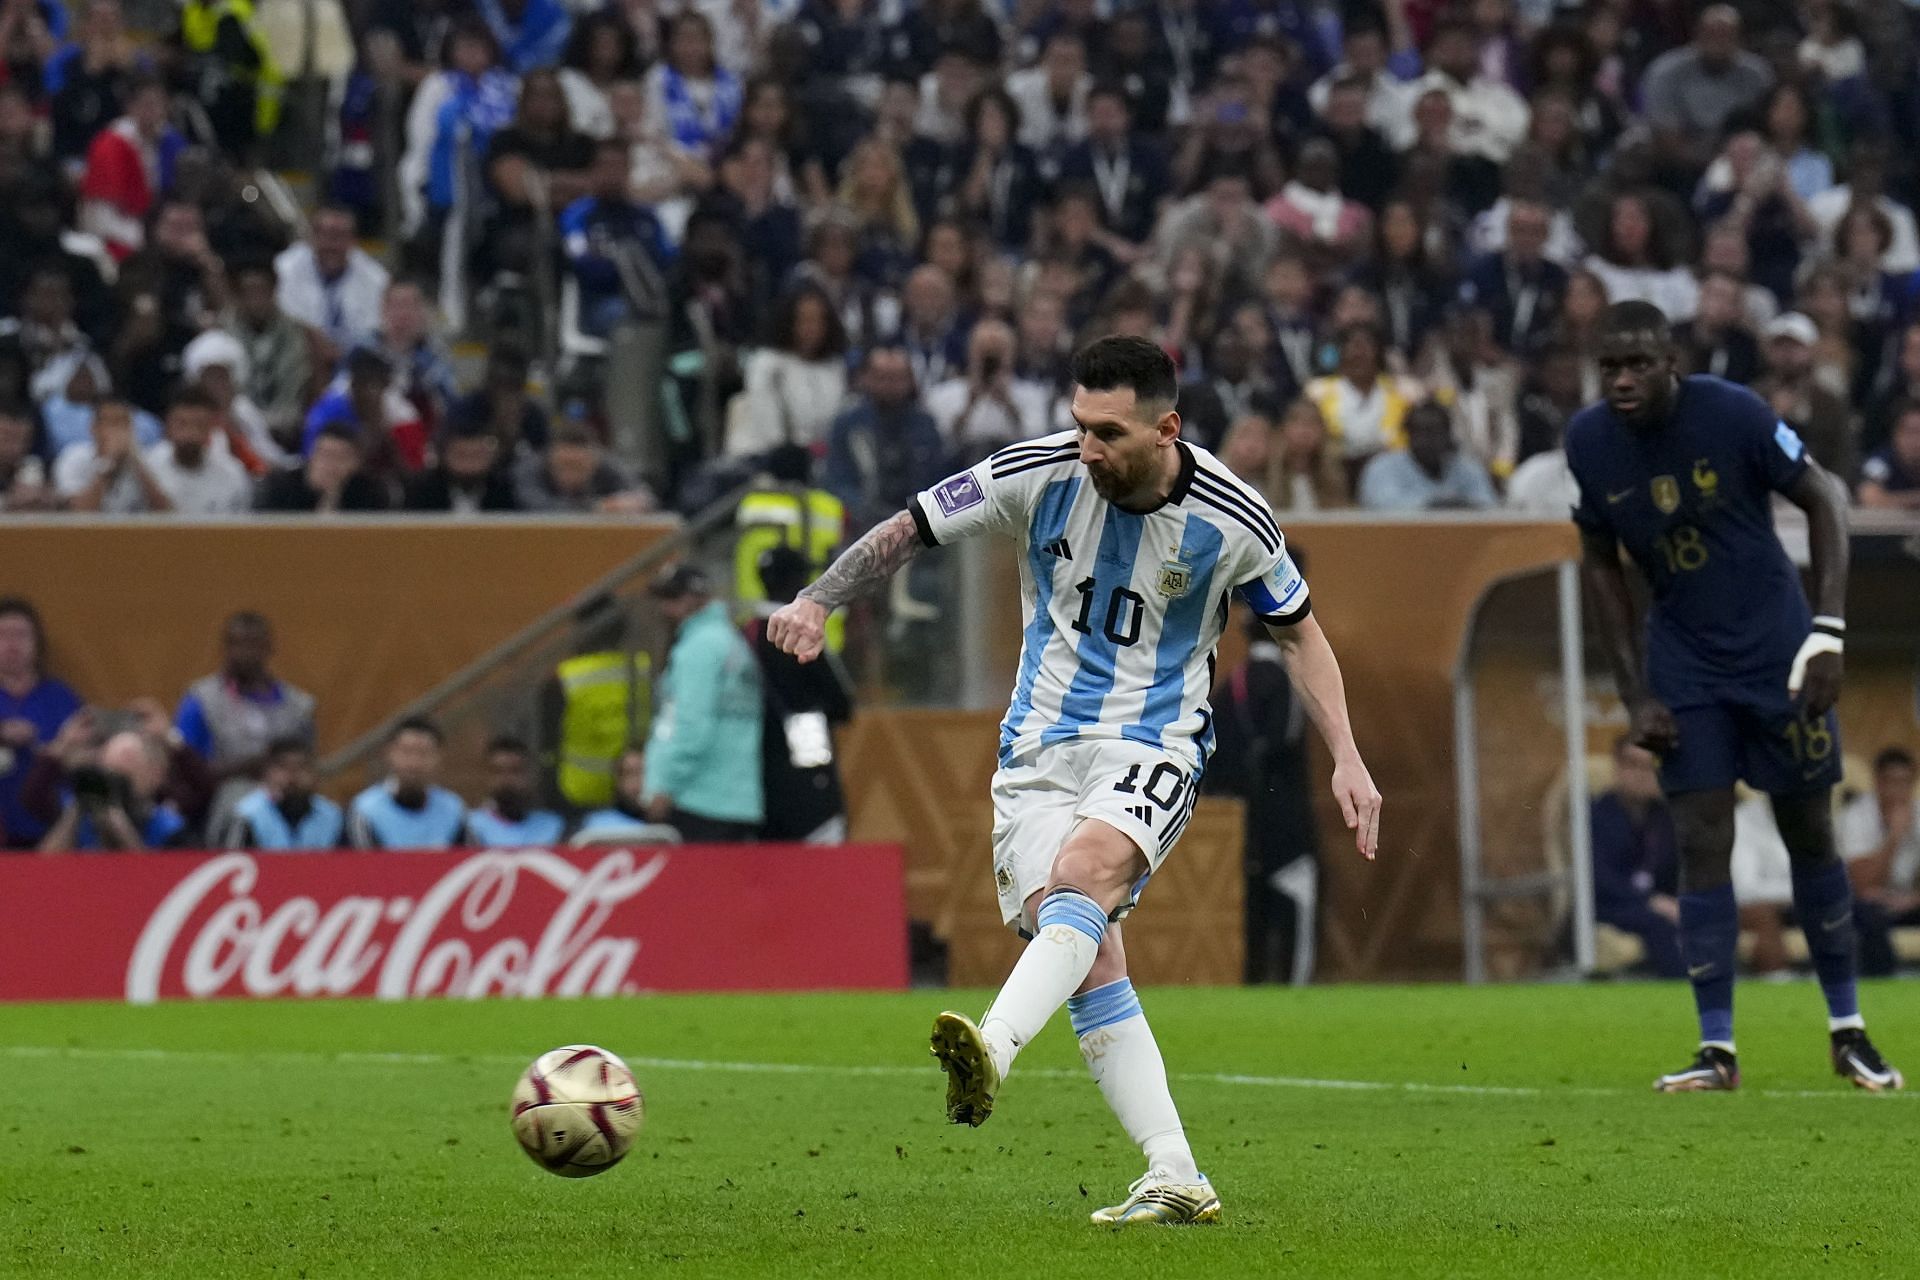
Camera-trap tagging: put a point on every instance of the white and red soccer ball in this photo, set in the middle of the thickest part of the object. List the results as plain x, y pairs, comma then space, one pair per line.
576, 1111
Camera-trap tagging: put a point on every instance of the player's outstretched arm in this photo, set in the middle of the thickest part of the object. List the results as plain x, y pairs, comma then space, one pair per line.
1652, 723
1818, 667
800, 628
1316, 676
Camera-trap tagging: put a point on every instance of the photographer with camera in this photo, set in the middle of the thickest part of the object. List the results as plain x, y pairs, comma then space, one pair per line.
111, 802
988, 406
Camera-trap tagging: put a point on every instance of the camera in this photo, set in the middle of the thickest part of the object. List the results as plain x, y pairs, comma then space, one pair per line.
97, 788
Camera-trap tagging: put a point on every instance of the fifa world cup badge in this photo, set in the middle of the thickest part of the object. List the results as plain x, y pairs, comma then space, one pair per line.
1175, 577
1666, 494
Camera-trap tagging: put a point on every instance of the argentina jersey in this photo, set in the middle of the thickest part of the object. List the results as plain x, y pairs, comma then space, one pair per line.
1122, 609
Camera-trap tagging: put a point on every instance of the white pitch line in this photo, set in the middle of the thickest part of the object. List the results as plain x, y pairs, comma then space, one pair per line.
699, 1065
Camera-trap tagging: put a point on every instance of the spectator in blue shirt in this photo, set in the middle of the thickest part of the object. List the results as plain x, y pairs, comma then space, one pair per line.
1634, 867
283, 814
508, 818
32, 709
407, 810
1429, 474
613, 245
629, 808
885, 447
532, 33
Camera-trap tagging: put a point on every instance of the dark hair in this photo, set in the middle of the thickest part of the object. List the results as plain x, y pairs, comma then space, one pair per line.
140, 82
418, 724
1893, 758
581, 42
252, 264
506, 356
334, 207
289, 744
192, 397
1110, 363
1000, 98
570, 433
1901, 409
1882, 227
506, 743
1635, 316
472, 28
21, 607
247, 618
1430, 409
1561, 35
337, 431
786, 312
1110, 89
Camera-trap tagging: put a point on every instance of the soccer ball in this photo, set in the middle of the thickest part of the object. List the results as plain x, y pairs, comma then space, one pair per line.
577, 1110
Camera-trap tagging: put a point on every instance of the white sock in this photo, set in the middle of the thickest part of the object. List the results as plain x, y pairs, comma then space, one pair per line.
1852, 1022
1124, 1058
1055, 963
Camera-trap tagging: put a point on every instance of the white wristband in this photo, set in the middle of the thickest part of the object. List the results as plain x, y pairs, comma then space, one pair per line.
1817, 642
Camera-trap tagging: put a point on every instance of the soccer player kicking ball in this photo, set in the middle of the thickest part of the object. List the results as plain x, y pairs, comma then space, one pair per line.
1131, 543
1736, 679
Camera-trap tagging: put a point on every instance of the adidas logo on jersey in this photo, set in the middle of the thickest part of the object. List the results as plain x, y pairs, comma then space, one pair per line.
1059, 549
1144, 812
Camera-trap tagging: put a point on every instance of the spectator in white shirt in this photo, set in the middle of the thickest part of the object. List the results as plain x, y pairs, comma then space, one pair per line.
1052, 95
1881, 843
330, 284
1866, 184
198, 480
1489, 119
794, 384
1632, 263
1365, 50
106, 474
988, 406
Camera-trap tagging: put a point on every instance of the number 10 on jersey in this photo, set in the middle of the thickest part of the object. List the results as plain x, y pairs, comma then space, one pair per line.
1125, 610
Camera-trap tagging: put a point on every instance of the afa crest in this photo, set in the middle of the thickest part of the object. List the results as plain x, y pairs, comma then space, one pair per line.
1175, 577
1666, 494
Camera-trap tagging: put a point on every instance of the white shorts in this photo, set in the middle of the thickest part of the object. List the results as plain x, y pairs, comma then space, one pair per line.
1040, 797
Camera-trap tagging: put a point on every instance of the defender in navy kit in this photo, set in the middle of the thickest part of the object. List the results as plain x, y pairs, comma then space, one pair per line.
1736, 677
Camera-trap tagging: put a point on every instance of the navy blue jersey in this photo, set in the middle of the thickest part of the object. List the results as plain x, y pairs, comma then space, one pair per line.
1692, 504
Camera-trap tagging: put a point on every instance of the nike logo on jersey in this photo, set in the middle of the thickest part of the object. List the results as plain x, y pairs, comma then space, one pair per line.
1059, 549
1621, 496
1699, 971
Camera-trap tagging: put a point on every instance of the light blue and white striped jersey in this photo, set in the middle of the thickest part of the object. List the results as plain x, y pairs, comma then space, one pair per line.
1123, 610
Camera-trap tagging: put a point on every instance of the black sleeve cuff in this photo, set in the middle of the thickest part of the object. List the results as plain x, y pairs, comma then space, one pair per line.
920, 522
1291, 619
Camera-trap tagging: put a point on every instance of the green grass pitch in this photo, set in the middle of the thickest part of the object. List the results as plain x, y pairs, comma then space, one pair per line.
1515, 1135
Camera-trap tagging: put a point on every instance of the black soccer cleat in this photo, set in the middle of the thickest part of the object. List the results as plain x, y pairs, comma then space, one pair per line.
1713, 1071
1855, 1058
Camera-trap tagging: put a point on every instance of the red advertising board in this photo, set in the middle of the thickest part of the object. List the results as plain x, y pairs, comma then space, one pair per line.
528, 922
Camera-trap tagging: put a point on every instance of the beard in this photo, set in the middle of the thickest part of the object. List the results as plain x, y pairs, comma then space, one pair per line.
1116, 485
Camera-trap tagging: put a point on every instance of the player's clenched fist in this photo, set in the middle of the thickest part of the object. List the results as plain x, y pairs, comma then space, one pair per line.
799, 628
1652, 726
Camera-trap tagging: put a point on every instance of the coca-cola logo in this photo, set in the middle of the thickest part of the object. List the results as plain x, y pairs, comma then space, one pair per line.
448, 941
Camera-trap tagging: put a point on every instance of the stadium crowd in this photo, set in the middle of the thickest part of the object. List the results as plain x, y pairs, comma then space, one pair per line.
1375, 236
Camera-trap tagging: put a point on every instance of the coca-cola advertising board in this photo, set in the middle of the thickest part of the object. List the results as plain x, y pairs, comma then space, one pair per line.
526, 922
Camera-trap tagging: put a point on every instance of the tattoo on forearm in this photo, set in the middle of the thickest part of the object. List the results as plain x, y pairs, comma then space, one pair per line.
868, 563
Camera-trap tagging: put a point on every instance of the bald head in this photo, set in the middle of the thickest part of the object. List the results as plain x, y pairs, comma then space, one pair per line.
137, 758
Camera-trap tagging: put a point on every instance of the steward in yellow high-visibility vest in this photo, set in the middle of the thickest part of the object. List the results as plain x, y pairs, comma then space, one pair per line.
606, 706
597, 705
788, 512
234, 71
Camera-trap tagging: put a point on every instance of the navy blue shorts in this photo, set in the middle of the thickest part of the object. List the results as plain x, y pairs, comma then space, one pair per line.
1753, 735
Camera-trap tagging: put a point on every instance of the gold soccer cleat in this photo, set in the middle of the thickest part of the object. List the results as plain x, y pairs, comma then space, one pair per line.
1160, 1200
972, 1079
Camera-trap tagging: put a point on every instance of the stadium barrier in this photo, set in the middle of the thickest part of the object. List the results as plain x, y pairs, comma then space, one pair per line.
526, 923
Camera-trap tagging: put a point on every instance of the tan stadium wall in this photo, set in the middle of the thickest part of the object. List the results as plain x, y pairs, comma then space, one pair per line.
369, 613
